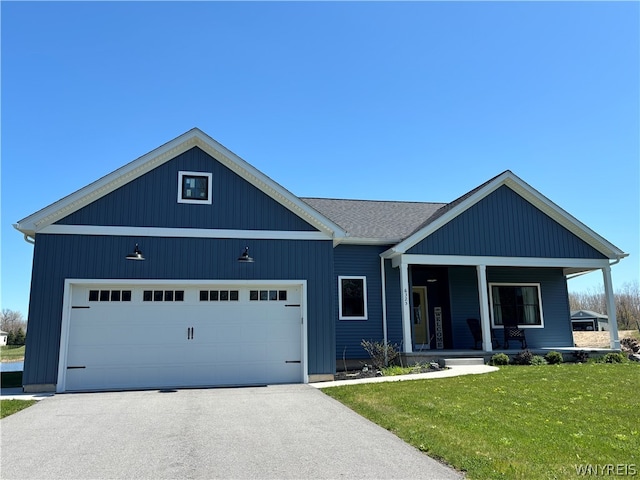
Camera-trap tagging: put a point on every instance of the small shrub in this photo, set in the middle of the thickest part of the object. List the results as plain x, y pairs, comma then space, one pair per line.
500, 359
580, 356
376, 351
553, 358
630, 345
523, 358
538, 360
614, 358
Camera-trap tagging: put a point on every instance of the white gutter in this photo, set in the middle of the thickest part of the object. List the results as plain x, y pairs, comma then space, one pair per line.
27, 238
617, 260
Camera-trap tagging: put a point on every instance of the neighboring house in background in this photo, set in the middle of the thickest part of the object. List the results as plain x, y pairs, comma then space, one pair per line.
586, 320
189, 267
3, 337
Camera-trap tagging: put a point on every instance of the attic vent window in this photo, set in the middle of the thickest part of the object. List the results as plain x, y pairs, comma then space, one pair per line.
194, 187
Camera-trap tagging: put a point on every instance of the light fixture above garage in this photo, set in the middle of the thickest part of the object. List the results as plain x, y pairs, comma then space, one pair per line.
136, 255
245, 258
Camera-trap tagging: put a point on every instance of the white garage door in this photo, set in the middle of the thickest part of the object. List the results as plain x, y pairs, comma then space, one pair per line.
159, 336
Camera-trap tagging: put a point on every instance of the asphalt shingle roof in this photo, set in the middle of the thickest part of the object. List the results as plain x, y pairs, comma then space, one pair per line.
374, 219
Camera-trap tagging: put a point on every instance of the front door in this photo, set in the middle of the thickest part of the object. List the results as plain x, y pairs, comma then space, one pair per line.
420, 319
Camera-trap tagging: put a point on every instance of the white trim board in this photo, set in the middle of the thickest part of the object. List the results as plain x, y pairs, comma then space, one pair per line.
456, 260
67, 304
528, 193
129, 172
183, 232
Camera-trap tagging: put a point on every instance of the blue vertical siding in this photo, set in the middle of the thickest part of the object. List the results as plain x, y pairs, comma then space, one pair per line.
394, 304
504, 224
359, 260
151, 200
57, 257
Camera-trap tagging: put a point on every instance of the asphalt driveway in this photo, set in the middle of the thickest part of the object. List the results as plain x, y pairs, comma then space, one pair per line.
283, 431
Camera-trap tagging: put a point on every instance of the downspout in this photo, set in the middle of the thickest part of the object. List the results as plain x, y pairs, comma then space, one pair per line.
617, 260
384, 309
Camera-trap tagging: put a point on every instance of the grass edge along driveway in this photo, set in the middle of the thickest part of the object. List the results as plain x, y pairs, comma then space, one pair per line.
9, 407
542, 422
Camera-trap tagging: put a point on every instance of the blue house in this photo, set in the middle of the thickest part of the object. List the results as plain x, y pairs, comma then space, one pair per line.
189, 267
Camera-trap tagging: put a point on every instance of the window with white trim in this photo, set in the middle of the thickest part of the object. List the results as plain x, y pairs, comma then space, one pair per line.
194, 187
352, 297
516, 303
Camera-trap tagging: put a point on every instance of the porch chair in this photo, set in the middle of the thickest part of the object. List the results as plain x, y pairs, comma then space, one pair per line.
513, 332
476, 331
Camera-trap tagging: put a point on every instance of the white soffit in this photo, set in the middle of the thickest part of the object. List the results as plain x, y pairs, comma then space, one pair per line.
144, 164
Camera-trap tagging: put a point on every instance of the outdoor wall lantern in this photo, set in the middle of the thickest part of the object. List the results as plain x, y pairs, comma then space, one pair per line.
136, 255
245, 258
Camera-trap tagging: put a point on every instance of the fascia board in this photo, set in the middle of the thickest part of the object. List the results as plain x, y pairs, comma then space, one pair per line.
532, 196
134, 231
564, 218
129, 172
107, 184
461, 260
268, 186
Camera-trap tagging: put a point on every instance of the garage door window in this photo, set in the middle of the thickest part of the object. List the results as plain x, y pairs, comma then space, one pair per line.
268, 295
219, 295
163, 296
109, 295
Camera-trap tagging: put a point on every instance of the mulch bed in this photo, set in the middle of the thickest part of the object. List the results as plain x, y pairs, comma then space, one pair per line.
370, 372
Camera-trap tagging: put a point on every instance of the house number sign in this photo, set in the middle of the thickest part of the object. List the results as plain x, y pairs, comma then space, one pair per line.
437, 313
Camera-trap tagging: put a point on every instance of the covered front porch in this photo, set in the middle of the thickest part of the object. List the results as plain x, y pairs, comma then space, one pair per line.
516, 303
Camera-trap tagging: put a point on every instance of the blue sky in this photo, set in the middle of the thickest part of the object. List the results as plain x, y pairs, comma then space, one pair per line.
414, 101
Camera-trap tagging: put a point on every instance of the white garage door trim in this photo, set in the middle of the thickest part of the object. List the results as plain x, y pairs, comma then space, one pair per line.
71, 283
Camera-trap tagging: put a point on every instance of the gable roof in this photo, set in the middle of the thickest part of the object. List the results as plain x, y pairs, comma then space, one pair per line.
372, 221
129, 172
512, 181
354, 221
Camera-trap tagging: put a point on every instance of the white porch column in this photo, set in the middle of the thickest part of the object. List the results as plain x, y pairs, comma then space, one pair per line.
406, 308
611, 308
483, 298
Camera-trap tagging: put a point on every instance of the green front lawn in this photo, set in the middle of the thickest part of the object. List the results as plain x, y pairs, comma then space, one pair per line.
539, 422
12, 352
9, 407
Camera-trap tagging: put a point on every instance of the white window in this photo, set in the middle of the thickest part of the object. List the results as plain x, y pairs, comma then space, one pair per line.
352, 298
516, 304
194, 187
